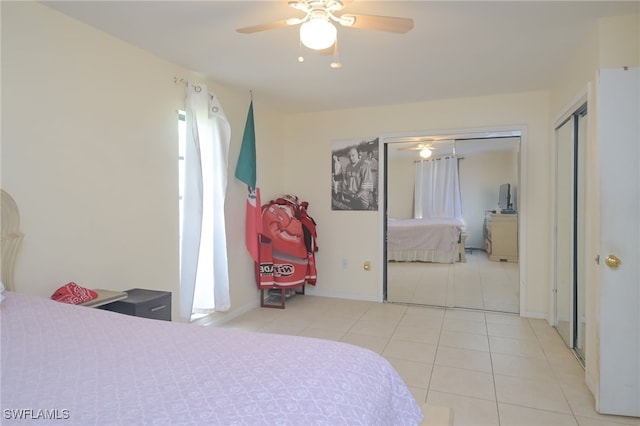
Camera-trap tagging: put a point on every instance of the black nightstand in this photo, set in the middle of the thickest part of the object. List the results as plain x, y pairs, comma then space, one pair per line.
152, 304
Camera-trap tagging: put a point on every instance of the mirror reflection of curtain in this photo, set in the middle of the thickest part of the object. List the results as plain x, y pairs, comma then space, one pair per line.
437, 189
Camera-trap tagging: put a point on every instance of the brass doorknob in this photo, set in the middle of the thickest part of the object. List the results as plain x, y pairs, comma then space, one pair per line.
612, 261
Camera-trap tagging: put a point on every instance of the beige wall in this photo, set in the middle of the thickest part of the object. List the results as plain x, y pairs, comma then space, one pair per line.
355, 237
401, 174
619, 41
480, 178
89, 153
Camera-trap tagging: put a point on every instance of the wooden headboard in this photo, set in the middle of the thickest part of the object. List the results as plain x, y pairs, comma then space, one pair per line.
11, 238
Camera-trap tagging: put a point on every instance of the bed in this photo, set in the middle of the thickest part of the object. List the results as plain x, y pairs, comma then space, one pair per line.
79, 365
425, 240
100, 367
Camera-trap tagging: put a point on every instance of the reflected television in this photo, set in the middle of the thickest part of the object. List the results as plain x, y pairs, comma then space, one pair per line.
504, 198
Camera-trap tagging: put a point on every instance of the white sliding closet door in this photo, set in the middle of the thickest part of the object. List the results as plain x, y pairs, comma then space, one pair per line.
564, 255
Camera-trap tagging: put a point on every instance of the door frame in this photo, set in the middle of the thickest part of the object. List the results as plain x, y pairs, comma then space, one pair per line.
478, 132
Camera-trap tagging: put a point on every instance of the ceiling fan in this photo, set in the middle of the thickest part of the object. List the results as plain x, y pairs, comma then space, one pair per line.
317, 29
425, 149
425, 146
415, 147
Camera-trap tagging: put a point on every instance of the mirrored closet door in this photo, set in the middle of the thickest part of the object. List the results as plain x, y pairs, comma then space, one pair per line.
451, 222
569, 256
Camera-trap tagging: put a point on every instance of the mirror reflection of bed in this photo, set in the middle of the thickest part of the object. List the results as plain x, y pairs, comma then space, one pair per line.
466, 262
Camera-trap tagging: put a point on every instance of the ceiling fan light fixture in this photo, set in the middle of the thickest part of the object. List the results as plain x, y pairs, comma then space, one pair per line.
425, 153
318, 33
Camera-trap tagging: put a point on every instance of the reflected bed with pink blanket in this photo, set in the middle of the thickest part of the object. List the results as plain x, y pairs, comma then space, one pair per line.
89, 366
424, 240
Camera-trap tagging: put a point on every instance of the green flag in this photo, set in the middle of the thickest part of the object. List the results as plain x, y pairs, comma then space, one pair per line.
246, 167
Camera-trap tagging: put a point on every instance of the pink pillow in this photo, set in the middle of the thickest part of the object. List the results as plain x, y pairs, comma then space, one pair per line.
74, 294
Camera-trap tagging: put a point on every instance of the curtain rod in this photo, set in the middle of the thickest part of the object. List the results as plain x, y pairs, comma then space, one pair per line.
185, 82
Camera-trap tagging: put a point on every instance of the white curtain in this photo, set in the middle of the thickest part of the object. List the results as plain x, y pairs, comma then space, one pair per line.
437, 189
204, 274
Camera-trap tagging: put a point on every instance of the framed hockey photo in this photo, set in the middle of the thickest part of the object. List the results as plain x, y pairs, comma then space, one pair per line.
354, 175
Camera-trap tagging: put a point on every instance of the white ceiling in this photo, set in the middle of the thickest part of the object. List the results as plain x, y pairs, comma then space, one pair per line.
456, 48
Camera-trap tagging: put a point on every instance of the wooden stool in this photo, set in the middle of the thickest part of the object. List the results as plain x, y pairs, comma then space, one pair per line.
283, 296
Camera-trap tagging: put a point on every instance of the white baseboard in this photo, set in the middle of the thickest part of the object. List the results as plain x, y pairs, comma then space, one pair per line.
212, 320
314, 292
590, 381
535, 315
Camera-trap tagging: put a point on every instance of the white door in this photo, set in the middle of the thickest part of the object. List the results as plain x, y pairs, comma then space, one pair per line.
618, 109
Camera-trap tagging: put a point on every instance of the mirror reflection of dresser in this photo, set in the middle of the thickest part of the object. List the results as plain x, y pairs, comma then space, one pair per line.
501, 236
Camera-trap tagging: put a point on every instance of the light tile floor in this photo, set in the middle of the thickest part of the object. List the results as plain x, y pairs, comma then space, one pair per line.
476, 284
492, 369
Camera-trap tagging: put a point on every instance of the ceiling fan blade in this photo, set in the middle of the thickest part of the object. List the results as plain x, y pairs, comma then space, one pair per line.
263, 27
380, 23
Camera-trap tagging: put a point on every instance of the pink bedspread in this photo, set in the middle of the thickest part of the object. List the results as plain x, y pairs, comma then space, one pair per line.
88, 366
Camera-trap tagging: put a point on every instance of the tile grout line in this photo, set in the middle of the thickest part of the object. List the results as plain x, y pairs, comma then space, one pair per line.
406, 308
435, 355
493, 374
556, 378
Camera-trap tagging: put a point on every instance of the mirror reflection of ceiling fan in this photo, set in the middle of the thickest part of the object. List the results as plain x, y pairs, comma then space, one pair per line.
317, 28
425, 146
425, 150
